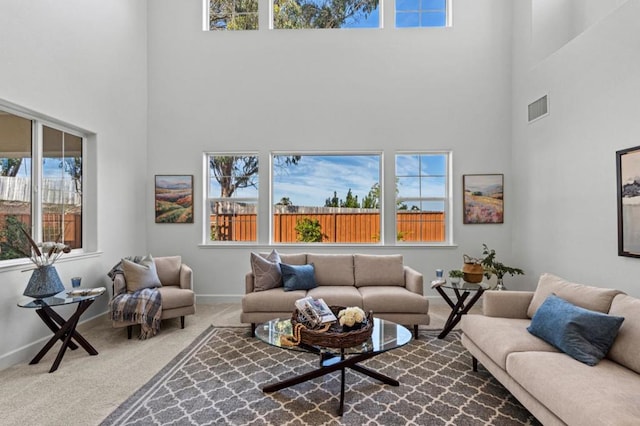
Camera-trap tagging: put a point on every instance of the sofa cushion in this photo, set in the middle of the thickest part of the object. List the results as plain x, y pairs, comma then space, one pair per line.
168, 268
581, 333
382, 270
499, 337
293, 259
337, 295
392, 299
588, 297
626, 347
298, 277
578, 394
266, 271
332, 269
273, 300
175, 297
140, 275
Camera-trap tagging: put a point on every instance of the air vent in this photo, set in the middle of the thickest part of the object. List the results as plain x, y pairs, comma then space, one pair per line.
538, 109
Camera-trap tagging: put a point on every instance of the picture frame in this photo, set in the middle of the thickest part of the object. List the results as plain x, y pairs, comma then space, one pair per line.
628, 198
483, 198
173, 198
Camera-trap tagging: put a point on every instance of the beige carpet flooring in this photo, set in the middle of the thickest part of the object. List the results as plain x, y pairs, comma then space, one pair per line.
85, 389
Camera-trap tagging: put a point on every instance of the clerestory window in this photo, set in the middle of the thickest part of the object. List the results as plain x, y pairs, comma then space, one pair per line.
222, 15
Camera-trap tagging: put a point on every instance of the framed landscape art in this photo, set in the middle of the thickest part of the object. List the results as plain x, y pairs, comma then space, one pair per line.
628, 178
174, 198
483, 198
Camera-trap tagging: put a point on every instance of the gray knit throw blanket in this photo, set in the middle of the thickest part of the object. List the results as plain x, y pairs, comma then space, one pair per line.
143, 307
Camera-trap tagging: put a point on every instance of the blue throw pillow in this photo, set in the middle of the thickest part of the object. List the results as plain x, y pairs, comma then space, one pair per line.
583, 334
298, 277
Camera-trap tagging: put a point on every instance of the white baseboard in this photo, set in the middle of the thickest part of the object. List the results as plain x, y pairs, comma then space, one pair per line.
25, 353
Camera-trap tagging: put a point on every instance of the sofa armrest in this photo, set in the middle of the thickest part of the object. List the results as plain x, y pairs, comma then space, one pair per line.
506, 304
119, 285
248, 283
186, 277
413, 280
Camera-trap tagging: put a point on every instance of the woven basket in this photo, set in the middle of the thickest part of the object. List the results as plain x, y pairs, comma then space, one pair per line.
335, 337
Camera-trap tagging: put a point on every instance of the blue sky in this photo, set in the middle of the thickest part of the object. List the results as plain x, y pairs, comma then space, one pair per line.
316, 177
51, 168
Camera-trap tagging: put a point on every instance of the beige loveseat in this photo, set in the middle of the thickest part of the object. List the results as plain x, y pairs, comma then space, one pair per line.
378, 283
554, 387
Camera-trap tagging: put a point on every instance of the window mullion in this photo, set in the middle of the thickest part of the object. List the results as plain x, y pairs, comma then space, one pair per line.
36, 182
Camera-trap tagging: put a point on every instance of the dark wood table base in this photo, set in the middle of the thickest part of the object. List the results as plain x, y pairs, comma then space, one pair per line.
64, 331
459, 308
329, 363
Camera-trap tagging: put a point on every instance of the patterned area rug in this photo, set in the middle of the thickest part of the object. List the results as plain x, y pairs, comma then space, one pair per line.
218, 380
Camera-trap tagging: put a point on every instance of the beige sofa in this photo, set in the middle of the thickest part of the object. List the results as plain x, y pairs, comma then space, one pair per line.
553, 386
378, 283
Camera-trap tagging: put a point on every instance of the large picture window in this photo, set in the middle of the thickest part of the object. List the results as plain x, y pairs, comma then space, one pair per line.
232, 197
41, 181
422, 197
326, 198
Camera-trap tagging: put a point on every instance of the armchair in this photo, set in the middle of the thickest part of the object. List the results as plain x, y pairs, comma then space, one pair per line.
178, 298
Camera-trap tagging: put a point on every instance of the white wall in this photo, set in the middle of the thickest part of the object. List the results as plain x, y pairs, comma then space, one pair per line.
328, 90
82, 62
564, 164
556, 22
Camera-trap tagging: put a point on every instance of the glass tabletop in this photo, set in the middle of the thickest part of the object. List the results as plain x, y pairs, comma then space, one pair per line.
386, 335
65, 297
465, 286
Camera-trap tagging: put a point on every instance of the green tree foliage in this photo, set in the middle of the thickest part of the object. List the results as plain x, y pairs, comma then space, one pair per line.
233, 14
236, 172
319, 13
351, 201
333, 201
73, 166
309, 230
284, 201
372, 200
288, 14
10, 166
13, 242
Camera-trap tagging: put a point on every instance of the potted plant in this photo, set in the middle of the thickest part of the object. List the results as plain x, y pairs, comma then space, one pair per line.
493, 267
456, 275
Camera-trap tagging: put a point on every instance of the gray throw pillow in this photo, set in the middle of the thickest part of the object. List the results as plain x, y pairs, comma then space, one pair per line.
266, 271
140, 275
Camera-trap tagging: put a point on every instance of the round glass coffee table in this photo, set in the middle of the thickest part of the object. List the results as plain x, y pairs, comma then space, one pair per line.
386, 336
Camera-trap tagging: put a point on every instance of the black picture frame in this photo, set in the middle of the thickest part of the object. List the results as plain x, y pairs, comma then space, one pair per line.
173, 198
628, 191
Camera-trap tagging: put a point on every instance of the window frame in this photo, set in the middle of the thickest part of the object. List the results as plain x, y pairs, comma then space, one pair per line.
447, 200
272, 200
89, 210
206, 208
386, 21
448, 16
